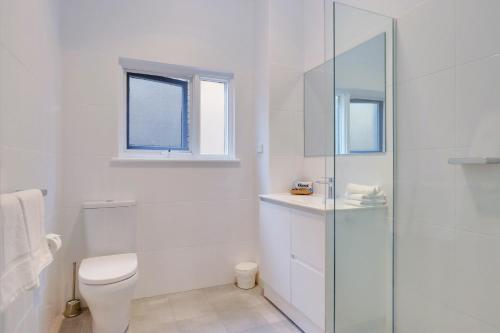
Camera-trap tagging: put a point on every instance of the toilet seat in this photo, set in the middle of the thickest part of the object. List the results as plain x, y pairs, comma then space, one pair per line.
107, 269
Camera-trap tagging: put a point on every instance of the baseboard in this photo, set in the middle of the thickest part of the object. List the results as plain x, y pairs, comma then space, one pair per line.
56, 324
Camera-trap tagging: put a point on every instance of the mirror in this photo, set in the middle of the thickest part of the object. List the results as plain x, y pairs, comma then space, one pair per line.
360, 84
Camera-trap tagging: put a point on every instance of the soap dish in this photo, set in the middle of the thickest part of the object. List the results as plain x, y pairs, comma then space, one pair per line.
300, 191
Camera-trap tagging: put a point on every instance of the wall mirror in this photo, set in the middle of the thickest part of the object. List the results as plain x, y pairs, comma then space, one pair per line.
359, 104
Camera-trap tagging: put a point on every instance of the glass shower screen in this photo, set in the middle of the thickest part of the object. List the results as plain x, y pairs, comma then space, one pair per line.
358, 154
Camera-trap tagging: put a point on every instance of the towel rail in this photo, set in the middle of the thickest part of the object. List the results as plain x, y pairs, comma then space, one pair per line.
44, 191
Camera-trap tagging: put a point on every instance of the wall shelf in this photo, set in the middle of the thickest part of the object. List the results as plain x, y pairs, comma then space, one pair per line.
474, 160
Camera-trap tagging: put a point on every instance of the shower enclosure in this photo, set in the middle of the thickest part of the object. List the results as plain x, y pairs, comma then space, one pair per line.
348, 127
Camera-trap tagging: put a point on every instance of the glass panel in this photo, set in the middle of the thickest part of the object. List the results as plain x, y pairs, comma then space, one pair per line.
213, 117
359, 258
157, 113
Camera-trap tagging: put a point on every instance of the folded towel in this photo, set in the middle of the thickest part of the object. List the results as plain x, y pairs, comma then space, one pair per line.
362, 189
358, 203
16, 269
359, 196
33, 206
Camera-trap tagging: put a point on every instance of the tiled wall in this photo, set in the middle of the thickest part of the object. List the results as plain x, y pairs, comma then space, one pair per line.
448, 217
286, 93
30, 137
196, 221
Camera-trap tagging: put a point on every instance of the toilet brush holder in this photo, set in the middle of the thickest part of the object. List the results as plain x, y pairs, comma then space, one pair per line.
73, 306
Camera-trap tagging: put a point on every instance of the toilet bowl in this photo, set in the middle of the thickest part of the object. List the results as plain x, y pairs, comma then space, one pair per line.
107, 284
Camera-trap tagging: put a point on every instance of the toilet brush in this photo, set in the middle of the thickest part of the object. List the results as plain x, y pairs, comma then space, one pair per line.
73, 306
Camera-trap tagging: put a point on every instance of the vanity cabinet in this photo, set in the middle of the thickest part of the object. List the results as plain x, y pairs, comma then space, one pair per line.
292, 244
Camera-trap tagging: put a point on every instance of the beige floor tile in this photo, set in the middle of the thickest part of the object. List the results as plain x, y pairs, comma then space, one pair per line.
222, 309
204, 324
286, 327
282, 327
238, 320
152, 327
80, 324
270, 313
156, 309
190, 304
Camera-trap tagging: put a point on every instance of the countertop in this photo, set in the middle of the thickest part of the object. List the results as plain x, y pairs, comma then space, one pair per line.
313, 203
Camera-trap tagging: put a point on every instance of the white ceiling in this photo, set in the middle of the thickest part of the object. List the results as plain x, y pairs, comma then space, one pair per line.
392, 8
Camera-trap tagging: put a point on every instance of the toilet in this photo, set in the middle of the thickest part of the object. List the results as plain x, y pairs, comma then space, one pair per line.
108, 276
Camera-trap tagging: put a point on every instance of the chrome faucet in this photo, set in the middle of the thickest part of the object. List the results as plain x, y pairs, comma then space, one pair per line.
329, 181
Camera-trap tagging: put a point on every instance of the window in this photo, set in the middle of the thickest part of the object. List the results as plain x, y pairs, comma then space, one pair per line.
157, 113
365, 126
176, 112
359, 125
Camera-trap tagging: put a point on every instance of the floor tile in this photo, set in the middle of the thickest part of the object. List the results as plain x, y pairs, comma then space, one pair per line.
152, 327
238, 320
270, 313
204, 324
190, 304
152, 308
221, 309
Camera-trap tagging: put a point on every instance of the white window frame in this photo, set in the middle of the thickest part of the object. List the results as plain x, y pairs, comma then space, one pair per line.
193, 75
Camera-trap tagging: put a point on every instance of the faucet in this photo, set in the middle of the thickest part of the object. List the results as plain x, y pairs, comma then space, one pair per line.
330, 182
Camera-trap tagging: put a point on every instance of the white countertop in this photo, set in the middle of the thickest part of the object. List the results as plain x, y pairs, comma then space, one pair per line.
312, 202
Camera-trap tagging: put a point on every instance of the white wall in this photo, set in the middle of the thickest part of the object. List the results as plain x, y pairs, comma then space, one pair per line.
196, 221
448, 217
30, 139
279, 100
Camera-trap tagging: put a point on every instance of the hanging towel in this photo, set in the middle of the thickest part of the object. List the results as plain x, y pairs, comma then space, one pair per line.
16, 268
363, 189
33, 206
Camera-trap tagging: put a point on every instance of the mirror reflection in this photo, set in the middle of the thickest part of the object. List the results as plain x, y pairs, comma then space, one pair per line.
359, 102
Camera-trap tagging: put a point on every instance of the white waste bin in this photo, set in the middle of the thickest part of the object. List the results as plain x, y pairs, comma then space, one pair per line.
245, 274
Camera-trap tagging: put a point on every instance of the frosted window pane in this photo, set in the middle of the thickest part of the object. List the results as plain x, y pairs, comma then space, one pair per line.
213, 118
364, 127
157, 115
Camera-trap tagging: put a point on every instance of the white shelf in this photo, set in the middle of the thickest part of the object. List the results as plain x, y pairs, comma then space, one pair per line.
474, 160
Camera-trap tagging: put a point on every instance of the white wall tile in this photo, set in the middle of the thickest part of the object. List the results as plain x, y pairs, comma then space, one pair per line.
187, 210
477, 275
425, 260
425, 187
426, 39
286, 32
478, 108
30, 139
426, 112
285, 88
478, 29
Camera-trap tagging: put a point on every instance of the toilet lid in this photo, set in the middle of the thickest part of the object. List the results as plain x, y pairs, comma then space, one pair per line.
108, 269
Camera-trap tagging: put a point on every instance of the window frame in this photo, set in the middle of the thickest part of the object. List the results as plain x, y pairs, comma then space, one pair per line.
193, 76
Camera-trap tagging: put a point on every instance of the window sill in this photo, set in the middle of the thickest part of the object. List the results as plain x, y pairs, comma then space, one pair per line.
174, 160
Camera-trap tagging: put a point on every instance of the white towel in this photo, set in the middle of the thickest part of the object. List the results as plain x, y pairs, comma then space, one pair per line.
16, 269
363, 189
359, 196
33, 206
371, 203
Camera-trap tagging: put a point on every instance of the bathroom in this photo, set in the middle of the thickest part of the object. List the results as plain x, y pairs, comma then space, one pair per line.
422, 256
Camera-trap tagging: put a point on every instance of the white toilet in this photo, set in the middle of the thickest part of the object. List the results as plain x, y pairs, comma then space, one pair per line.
107, 278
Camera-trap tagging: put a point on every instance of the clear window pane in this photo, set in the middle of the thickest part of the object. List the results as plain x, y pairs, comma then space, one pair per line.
213, 117
365, 130
157, 113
